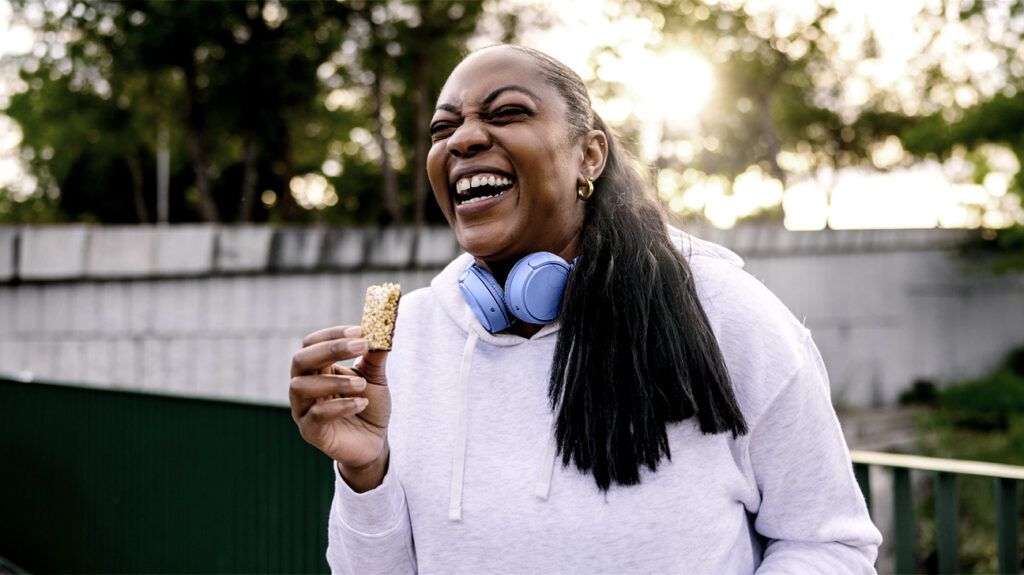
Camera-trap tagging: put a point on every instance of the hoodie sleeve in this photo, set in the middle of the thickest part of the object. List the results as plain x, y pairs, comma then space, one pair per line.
812, 513
370, 532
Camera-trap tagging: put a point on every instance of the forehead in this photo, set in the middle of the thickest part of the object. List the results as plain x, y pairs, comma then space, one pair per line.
487, 70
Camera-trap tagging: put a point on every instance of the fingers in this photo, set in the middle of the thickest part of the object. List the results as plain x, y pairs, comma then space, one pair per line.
325, 411
372, 366
324, 353
335, 332
306, 390
320, 386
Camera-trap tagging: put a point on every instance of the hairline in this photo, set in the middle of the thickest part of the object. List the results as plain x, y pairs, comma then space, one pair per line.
493, 96
549, 66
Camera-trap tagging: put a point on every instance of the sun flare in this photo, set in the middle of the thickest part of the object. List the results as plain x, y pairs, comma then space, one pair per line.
671, 87
679, 85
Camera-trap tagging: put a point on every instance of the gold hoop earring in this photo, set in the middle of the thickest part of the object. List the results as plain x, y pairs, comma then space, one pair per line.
584, 192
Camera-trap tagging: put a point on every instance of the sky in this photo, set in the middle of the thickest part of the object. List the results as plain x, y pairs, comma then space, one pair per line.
927, 194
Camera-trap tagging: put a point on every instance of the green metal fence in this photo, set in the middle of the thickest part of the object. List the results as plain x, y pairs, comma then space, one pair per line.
1006, 481
111, 482
107, 481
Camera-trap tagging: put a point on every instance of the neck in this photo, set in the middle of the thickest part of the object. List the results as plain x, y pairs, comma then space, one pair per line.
523, 329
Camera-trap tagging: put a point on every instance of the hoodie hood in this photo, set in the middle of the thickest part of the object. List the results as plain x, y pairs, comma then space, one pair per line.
692, 246
445, 286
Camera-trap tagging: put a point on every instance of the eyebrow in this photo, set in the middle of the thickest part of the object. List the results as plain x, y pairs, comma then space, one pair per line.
493, 96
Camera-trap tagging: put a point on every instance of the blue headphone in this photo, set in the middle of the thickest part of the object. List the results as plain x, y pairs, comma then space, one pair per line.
533, 291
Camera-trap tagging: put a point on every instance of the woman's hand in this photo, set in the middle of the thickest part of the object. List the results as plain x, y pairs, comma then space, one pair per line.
343, 411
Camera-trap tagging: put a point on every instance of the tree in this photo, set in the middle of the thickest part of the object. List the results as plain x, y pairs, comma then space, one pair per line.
406, 52
787, 78
255, 96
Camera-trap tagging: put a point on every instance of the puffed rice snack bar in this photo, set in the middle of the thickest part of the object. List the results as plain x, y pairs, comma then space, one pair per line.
380, 309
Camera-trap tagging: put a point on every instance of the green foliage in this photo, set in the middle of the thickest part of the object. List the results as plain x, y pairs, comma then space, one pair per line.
238, 92
996, 121
254, 93
992, 400
977, 518
1003, 248
781, 78
769, 95
980, 420
33, 210
922, 392
84, 153
946, 436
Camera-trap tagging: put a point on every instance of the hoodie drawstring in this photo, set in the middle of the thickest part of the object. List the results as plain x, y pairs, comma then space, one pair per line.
542, 487
459, 457
547, 467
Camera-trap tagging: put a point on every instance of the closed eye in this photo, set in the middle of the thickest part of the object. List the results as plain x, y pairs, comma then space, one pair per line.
442, 129
506, 112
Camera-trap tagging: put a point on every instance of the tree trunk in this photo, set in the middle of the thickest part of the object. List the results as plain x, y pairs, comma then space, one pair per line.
387, 171
419, 163
389, 182
288, 209
138, 189
207, 207
194, 120
768, 129
248, 201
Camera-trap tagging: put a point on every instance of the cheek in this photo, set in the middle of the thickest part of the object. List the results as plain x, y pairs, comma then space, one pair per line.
436, 173
555, 189
555, 170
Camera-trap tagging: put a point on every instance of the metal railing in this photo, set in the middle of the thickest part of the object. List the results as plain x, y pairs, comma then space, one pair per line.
1006, 478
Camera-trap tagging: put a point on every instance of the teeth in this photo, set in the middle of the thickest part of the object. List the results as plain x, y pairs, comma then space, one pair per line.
465, 184
474, 200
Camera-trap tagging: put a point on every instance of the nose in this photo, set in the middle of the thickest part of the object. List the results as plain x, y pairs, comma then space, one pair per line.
469, 138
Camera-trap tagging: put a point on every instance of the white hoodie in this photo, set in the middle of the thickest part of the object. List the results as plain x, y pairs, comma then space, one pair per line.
473, 486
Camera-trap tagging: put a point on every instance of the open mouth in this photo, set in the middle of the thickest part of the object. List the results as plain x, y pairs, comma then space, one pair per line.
478, 187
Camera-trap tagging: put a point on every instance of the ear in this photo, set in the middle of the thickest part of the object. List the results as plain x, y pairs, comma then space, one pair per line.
595, 154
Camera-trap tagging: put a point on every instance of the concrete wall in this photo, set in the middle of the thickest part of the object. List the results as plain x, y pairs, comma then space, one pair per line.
884, 319
218, 311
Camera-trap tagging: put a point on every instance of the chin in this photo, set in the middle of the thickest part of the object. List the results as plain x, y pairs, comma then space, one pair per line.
485, 242
475, 244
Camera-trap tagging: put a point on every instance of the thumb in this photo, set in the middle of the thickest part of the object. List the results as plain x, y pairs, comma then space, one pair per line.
372, 366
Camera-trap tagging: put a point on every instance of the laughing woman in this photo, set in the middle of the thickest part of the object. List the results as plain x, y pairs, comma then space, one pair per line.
586, 390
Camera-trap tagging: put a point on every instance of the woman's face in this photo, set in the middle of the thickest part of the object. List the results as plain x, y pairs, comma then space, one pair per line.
502, 164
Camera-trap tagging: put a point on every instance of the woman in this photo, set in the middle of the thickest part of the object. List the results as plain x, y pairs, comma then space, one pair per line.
674, 419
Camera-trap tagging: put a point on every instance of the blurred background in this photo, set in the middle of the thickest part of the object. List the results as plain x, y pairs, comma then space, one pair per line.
187, 188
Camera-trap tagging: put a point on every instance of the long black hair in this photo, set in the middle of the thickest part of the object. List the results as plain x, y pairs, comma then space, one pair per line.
635, 350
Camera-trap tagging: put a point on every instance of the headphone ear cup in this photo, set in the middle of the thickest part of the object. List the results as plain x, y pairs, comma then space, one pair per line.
535, 286
485, 297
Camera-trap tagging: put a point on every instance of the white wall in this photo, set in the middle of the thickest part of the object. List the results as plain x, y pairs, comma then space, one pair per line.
218, 312
219, 337
884, 319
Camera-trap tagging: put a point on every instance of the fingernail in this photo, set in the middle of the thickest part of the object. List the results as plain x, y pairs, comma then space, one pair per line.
358, 346
358, 382
353, 331
361, 401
